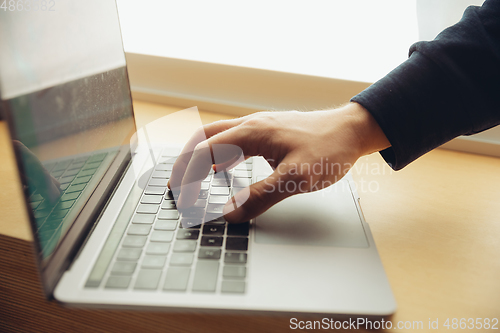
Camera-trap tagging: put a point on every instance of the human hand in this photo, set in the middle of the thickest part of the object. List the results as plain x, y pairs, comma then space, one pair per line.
37, 175
292, 142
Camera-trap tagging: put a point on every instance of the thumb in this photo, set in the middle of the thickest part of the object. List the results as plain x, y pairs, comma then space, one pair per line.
257, 198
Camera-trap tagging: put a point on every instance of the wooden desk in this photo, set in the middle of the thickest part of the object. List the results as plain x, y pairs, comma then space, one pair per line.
436, 224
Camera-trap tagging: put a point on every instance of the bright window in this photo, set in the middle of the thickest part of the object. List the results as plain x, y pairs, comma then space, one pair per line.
357, 40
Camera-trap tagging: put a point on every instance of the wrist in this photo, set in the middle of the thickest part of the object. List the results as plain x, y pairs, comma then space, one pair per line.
369, 135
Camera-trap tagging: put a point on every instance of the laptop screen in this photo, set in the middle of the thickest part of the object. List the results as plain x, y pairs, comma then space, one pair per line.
65, 92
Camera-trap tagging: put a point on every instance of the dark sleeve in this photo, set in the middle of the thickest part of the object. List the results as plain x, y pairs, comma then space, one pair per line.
448, 87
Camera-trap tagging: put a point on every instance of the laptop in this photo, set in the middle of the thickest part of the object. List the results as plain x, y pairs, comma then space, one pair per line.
105, 226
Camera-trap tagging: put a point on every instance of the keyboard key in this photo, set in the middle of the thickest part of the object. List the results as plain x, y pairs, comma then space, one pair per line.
213, 230
118, 282
184, 246
148, 279
59, 214
75, 188
81, 159
234, 272
167, 160
57, 174
200, 203
161, 174
204, 186
205, 275
238, 189
65, 204
162, 236
193, 213
181, 259
223, 175
203, 194
34, 205
164, 167
134, 241
168, 204
76, 165
168, 215
211, 241
177, 278
36, 197
242, 174
70, 196
157, 248
51, 224
48, 166
151, 199
154, 262
236, 287
243, 166
235, 258
237, 243
219, 191
188, 234
143, 218
81, 180
155, 190
147, 209
39, 214
241, 229
45, 235
139, 229
166, 225
91, 166
123, 268
191, 223
63, 187
241, 182
129, 254
215, 209
209, 253
62, 165
158, 182
217, 182
97, 157
72, 172
213, 219
87, 172
218, 199
45, 206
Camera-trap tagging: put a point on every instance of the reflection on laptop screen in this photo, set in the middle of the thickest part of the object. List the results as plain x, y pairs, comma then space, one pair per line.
64, 87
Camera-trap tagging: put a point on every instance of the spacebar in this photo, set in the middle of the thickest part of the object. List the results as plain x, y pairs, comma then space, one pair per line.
205, 276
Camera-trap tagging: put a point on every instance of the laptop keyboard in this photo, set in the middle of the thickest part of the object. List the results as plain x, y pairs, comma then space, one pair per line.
164, 249
73, 175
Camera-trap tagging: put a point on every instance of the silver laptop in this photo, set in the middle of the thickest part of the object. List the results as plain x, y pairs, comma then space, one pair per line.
105, 226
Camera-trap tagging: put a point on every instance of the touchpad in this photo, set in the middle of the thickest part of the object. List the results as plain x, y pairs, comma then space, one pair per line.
324, 218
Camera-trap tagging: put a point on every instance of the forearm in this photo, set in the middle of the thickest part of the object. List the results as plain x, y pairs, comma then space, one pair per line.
448, 87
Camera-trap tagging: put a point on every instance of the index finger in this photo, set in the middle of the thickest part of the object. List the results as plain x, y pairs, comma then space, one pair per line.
202, 134
225, 148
